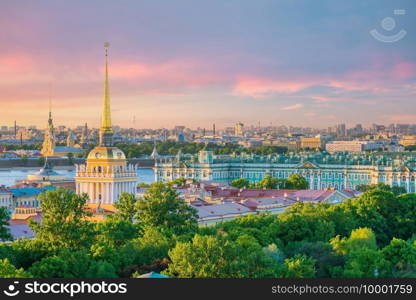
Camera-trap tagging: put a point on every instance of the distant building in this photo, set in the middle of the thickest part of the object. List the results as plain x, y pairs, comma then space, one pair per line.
28, 196
216, 213
217, 204
320, 170
352, 146
6, 198
49, 147
238, 129
46, 176
311, 142
408, 140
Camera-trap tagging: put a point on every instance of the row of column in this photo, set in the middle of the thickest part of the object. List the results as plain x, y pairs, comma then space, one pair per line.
105, 192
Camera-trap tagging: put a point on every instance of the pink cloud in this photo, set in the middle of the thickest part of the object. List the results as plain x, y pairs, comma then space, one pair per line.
263, 87
402, 118
17, 62
293, 107
185, 73
404, 70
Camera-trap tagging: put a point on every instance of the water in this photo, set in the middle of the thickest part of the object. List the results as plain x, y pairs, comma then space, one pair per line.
9, 177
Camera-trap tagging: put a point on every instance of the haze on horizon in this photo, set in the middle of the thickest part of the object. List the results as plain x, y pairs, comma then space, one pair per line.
194, 63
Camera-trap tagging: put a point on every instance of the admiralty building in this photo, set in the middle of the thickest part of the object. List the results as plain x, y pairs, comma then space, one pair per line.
321, 169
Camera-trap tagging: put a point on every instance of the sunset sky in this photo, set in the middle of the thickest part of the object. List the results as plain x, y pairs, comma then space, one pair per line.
194, 62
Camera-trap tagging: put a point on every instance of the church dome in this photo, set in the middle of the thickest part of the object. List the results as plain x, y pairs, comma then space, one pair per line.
106, 153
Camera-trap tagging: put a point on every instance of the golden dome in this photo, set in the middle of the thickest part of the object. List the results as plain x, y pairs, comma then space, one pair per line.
106, 153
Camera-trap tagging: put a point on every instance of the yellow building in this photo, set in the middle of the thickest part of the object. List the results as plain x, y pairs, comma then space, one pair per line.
49, 147
238, 129
408, 140
106, 174
311, 142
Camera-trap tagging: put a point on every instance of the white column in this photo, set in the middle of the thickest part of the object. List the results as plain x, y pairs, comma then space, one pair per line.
104, 197
112, 193
102, 192
108, 193
90, 191
105, 192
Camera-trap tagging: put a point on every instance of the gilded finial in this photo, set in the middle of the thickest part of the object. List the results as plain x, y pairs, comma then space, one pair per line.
106, 130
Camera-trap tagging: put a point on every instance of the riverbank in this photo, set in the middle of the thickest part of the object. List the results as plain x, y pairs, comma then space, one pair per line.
62, 163
9, 177
64, 168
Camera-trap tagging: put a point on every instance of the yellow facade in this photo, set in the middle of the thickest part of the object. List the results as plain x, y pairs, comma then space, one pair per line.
311, 142
408, 140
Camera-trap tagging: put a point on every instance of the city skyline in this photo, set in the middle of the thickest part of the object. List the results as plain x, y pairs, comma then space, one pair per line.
266, 61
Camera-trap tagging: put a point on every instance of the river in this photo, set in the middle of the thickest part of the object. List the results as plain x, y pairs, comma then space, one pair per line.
9, 177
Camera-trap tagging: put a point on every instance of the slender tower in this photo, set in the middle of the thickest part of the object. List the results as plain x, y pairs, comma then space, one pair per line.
106, 174
106, 130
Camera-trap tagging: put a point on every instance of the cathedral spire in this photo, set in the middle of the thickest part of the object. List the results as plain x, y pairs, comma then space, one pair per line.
106, 131
50, 122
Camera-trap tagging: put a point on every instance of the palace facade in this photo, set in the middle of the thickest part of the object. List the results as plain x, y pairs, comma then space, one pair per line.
322, 170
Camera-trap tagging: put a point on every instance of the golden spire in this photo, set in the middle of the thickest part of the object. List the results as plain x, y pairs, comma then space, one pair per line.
106, 131
50, 101
50, 122
106, 117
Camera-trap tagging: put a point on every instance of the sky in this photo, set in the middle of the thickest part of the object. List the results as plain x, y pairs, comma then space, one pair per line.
196, 62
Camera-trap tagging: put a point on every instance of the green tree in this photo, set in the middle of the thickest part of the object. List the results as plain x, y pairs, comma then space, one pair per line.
296, 182
71, 264
359, 238
299, 226
205, 256
251, 261
365, 262
274, 252
401, 255
119, 257
4, 222
116, 231
240, 183
162, 206
24, 252
64, 223
299, 266
7, 270
126, 207
326, 261
375, 209
179, 181
269, 182
396, 190
152, 245
216, 257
